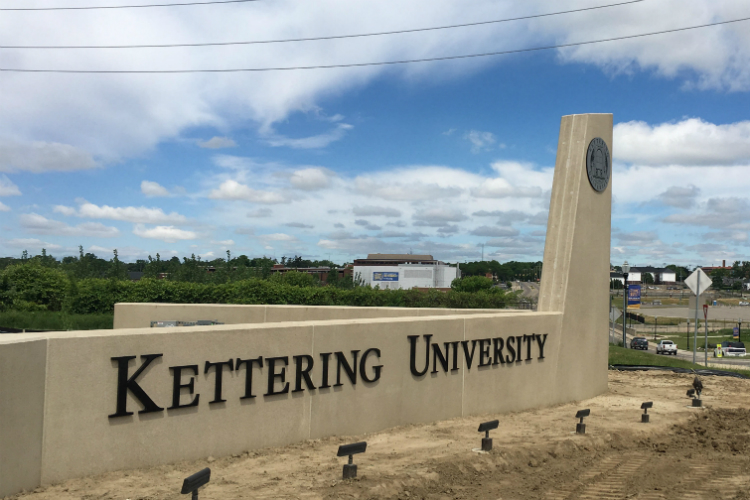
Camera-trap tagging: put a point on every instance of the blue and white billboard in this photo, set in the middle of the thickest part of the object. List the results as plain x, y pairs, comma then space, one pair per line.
382, 276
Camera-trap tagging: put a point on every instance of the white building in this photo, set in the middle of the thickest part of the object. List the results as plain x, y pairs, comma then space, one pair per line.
662, 276
394, 271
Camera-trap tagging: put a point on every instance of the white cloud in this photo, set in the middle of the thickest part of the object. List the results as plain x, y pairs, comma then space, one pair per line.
62, 209
494, 231
225, 243
680, 197
278, 237
4, 207
142, 215
299, 225
7, 188
27, 243
370, 210
367, 225
217, 143
233, 190
125, 116
440, 215
501, 188
516, 180
711, 58
481, 141
37, 224
312, 142
691, 142
167, 234
260, 213
310, 179
153, 189
407, 184
37, 157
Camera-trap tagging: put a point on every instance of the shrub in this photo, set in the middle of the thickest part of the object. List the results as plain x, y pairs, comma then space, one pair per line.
35, 284
471, 284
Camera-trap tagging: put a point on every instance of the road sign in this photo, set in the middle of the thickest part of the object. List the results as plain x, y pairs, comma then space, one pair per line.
614, 314
692, 281
705, 311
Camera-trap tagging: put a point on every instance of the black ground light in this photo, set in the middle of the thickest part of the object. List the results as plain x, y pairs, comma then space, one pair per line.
486, 427
695, 393
580, 426
350, 469
192, 483
645, 407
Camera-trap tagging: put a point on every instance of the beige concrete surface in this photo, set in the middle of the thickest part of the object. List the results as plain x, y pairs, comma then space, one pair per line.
22, 378
64, 385
575, 279
140, 315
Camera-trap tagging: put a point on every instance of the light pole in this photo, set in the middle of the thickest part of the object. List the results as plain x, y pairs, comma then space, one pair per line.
625, 272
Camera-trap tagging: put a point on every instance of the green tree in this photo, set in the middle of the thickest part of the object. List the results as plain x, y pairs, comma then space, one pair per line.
647, 278
471, 284
35, 285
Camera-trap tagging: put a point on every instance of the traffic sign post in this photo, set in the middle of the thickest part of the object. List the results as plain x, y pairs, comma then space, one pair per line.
705, 323
698, 283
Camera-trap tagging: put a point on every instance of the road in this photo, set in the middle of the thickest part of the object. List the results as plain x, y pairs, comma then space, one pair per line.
530, 290
699, 357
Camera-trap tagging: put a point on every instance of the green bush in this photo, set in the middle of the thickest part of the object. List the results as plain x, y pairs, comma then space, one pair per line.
34, 284
471, 284
99, 295
48, 320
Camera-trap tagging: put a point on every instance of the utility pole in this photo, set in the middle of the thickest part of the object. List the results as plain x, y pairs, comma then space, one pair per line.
482, 252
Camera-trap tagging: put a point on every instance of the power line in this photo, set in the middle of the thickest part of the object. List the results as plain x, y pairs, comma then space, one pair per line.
318, 38
93, 7
380, 63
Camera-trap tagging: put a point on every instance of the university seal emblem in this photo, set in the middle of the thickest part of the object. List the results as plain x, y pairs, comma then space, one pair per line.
598, 164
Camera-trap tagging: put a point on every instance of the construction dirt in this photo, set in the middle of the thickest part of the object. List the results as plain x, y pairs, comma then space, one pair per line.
682, 453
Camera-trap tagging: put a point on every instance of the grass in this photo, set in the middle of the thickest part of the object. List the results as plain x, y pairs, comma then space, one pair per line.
621, 356
48, 320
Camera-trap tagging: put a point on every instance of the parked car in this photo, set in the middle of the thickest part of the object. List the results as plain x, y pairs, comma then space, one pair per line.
744, 303
666, 347
639, 343
729, 348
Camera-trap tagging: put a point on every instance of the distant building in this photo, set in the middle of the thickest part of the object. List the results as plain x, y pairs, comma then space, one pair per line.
405, 271
710, 269
322, 273
662, 276
135, 275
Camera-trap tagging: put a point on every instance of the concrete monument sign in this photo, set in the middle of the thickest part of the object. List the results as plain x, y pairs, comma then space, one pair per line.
81, 403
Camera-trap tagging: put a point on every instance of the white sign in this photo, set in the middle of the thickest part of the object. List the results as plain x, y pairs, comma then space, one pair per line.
692, 281
614, 314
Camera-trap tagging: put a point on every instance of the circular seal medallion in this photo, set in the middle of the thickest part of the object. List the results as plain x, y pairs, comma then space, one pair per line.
598, 164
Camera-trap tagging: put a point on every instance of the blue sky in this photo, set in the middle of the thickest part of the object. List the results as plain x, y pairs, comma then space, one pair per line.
432, 158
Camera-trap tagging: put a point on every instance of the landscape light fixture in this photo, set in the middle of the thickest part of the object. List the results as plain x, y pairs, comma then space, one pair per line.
580, 426
192, 483
486, 427
695, 393
645, 407
625, 272
350, 469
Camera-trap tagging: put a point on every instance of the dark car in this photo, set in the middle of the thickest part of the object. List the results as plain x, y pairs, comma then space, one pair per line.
639, 343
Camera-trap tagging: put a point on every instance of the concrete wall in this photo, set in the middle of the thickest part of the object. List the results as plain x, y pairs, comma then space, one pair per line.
140, 315
64, 397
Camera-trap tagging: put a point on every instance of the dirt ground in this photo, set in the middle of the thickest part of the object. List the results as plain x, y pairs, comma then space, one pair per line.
682, 454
